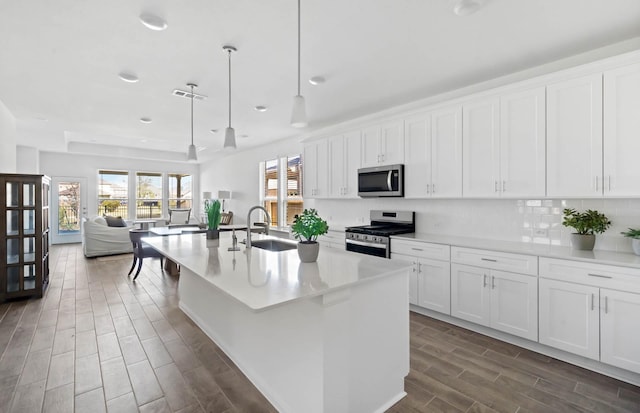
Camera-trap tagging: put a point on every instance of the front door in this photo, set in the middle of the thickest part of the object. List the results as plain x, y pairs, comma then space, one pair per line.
68, 207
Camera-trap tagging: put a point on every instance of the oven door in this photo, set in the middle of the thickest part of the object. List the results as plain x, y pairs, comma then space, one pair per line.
369, 248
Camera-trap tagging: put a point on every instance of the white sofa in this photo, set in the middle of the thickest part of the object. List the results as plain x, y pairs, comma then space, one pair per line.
98, 239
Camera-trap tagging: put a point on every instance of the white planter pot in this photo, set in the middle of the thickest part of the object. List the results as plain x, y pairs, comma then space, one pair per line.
635, 244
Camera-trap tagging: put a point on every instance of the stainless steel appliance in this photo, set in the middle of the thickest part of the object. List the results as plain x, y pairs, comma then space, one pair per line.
379, 181
374, 239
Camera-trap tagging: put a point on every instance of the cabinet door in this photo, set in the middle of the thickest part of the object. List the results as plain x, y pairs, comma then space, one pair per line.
434, 285
413, 276
569, 317
352, 163
370, 153
417, 156
620, 329
514, 304
315, 169
480, 145
336, 169
446, 152
470, 294
522, 144
574, 137
392, 143
622, 131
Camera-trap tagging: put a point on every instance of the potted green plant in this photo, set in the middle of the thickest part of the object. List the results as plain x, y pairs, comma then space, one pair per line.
212, 209
586, 224
634, 234
306, 227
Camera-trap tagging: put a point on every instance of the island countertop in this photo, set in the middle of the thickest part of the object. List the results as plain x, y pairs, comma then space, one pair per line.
262, 279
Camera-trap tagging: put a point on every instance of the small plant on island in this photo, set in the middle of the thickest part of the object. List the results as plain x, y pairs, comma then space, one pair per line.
212, 209
308, 225
586, 223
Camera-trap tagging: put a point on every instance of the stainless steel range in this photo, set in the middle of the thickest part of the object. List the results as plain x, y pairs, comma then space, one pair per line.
374, 239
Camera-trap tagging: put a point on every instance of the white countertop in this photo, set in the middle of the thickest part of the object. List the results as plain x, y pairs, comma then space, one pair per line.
262, 279
550, 251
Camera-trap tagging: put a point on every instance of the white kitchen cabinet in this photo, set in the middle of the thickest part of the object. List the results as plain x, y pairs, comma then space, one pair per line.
574, 137
433, 154
621, 131
492, 297
429, 281
620, 329
383, 144
344, 161
592, 310
504, 145
480, 146
314, 173
332, 239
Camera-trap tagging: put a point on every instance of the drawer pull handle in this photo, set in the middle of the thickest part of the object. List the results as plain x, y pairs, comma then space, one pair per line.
489, 259
493, 282
484, 280
599, 275
417, 249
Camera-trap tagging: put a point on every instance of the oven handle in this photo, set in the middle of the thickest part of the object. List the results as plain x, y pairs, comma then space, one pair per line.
366, 244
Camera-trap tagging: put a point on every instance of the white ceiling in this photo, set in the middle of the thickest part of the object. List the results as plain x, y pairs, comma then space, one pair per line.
59, 61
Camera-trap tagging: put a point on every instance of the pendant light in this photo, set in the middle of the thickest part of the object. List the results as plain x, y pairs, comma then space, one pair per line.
229, 133
299, 113
191, 153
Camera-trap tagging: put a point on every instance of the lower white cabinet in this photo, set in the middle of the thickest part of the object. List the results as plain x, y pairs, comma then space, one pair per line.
498, 299
597, 323
429, 281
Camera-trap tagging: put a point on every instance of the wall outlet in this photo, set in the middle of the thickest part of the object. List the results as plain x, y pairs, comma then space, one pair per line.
541, 232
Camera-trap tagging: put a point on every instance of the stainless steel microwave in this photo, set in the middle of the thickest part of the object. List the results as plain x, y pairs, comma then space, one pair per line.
379, 181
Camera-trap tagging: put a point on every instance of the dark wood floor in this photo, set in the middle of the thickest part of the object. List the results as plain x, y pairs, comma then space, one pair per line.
99, 342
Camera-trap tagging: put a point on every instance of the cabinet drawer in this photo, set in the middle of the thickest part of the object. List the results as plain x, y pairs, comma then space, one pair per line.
420, 249
523, 264
597, 275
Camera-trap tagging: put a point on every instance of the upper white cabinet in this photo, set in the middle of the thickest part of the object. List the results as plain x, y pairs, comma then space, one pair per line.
433, 154
622, 131
504, 145
574, 137
314, 163
383, 144
344, 161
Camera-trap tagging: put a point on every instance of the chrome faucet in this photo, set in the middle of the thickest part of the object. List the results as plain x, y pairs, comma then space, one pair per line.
266, 230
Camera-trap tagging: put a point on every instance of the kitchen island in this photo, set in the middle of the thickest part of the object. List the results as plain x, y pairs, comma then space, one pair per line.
330, 336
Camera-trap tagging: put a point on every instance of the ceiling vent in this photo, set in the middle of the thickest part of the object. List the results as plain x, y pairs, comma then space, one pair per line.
187, 94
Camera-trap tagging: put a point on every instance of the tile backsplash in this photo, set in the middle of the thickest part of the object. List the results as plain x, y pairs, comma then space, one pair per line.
525, 220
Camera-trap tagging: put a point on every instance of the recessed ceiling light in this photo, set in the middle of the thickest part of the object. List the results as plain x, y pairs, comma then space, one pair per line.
214, 131
317, 80
40, 119
146, 120
244, 136
153, 22
467, 7
201, 148
128, 77
144, 140
92, 140
261, 108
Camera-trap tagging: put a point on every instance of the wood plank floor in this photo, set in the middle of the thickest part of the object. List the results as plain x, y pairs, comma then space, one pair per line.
98, 342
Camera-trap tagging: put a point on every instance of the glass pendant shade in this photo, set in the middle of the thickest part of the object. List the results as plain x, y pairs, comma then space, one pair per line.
229, 138
191, 153
299, 112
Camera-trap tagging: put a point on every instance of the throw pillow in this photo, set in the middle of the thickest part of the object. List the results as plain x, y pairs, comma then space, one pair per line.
100, 220
115, 221
180, 217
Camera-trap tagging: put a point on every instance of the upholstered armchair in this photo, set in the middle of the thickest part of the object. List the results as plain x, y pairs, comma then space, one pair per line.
180, 217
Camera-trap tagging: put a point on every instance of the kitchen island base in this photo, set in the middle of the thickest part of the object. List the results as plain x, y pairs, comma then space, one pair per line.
346, 350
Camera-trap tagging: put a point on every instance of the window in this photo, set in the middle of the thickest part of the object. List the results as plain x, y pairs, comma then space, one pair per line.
113, 193
180, 191
283, 201
148, 195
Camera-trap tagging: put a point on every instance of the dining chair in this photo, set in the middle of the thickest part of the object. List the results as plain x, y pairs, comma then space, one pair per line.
141, 250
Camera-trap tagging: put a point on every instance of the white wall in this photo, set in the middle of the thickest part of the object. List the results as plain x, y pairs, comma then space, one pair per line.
28, 160
8, 139
74, 165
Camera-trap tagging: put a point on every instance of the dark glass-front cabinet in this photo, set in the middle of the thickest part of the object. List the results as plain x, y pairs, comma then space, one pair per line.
24, 231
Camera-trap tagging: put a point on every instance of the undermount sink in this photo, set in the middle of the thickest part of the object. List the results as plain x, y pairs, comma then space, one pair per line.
273, 245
